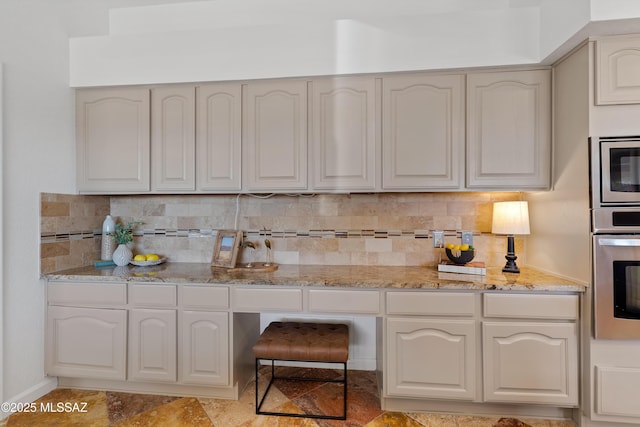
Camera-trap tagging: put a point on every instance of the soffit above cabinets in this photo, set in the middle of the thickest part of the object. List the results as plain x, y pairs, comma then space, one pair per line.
166, 41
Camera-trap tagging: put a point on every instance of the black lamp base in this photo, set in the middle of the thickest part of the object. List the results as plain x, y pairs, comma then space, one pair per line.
510, 266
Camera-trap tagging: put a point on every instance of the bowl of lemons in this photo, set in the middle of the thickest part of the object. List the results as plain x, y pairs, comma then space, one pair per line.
145, 260
459, 254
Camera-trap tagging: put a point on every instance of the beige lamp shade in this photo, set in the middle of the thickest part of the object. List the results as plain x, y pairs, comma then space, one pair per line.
510, 218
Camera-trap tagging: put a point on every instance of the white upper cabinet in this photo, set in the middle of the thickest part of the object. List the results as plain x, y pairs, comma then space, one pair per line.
275, 136
112, 140
423, 132
344, 133
509, 130
218, 137
403, 132
618, 70
173, 140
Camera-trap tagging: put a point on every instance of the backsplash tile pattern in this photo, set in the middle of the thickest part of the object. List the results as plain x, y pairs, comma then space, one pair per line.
358, 229
70, 230
333, 229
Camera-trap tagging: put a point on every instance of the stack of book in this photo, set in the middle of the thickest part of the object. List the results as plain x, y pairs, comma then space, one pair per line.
474, 267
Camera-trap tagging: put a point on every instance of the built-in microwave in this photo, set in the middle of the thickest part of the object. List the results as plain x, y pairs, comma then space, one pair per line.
615, 171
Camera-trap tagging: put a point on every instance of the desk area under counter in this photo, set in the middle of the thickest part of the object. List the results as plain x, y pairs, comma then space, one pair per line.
443, 342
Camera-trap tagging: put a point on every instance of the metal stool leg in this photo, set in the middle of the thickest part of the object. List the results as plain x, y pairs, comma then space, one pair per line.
260, 402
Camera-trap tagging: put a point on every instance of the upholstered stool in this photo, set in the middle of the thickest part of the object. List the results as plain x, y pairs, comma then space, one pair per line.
305, 342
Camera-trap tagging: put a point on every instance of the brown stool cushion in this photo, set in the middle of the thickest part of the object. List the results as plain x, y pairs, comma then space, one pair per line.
321, 342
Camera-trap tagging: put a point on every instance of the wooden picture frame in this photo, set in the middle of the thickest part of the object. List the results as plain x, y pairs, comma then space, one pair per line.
225, 250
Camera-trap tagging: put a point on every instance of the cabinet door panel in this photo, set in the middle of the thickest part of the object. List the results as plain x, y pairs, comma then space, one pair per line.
509, 130
616, 392
431, 358
530, 362
110, 122
218, 137
86, 342
173, 139
618, 66
276, 136
205, 348
152, 345
423, 131
344, 136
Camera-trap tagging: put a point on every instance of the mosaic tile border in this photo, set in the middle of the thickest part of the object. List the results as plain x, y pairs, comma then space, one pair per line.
276, 234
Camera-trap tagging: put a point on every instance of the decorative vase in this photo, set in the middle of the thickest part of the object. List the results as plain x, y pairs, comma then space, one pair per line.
122, 255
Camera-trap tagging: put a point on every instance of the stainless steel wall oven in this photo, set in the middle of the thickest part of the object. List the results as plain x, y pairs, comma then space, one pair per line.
615, 203
617, 286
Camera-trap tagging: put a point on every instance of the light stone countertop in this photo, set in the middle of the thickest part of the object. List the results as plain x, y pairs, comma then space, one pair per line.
378, 277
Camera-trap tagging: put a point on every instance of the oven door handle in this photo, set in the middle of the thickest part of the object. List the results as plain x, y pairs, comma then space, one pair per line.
619, 242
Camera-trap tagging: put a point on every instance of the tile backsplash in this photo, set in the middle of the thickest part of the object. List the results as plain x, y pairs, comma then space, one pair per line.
345, 229
70, 230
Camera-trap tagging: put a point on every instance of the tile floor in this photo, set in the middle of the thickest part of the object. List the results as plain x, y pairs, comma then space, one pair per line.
125, 409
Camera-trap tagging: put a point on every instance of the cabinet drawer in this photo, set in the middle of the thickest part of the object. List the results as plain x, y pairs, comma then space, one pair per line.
344, 301
204, 297
531, 306
255, 300
87, 293
152, 295
431, 303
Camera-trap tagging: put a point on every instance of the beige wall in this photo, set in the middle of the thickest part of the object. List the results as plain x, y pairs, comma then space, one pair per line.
560, 241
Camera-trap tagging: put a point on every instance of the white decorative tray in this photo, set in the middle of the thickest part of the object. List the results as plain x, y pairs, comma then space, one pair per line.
148, 263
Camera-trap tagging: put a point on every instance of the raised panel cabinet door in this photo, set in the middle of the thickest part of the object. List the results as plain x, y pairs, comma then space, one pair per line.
173, 138
219, 137
431, 358
618, 70
509, 130
86, 342
616, 393
152, 345
530, 362
344, 136
204, 347
112, 140
422, 132
275, 136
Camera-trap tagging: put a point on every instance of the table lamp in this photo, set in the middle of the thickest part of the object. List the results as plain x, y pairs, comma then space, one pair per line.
510, 218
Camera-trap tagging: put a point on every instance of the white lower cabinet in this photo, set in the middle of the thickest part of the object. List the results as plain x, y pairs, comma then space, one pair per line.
431, 358
204, 348
616, 394
152, 345
525, 352
530, 348
86, 342
139, 333
530, 362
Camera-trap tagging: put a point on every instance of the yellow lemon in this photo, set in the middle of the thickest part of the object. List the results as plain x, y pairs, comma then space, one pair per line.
139, 258
449, 246
456, 247
152, 257
464, 247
